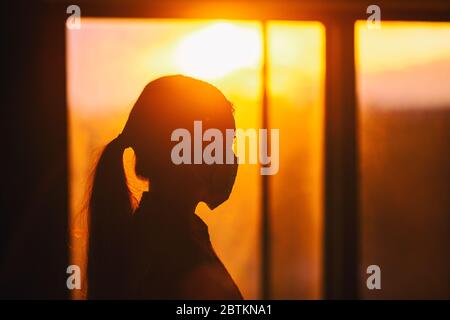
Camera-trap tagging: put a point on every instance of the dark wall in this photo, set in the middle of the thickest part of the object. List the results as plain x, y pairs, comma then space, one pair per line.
33, 214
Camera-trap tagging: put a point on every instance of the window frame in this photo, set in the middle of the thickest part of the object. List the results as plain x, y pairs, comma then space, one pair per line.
341, 171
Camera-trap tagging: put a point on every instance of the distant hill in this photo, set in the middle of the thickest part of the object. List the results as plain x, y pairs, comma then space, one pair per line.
421, 86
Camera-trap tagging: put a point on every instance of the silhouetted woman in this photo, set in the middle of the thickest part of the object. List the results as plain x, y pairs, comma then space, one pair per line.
162, 249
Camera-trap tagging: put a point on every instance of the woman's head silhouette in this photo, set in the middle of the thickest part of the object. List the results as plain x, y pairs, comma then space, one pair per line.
165, 104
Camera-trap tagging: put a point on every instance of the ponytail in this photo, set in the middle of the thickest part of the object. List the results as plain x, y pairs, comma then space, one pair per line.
110, 212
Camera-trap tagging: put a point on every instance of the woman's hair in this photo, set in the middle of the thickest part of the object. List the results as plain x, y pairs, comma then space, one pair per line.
165, 104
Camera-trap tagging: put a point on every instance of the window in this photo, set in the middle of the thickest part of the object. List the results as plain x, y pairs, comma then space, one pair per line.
109, 61
404, 105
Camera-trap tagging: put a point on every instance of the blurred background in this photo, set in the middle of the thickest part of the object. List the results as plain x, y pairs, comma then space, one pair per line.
403, 78
111, 60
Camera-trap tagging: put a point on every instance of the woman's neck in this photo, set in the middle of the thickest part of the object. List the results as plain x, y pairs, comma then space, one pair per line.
171, 206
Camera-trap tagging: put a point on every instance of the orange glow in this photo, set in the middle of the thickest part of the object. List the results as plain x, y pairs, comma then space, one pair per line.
109, 63
403, 82
218, 50
394, 39
111, 60
296, 91
403, 65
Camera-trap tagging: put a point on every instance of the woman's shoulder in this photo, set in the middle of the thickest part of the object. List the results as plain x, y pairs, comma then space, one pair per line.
209, 282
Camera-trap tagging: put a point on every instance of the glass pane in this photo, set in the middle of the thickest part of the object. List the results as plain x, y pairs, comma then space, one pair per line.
296, 73
403, 76
111, 60
109, 63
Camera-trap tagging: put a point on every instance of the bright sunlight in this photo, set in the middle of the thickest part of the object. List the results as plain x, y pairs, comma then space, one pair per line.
218, 50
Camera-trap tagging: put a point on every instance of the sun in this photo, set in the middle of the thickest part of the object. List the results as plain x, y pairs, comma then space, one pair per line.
218, 50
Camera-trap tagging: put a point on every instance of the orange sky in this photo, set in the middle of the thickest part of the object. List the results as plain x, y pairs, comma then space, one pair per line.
403, 65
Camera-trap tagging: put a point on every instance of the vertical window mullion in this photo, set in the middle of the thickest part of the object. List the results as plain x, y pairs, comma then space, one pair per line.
341, 152
265, 192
